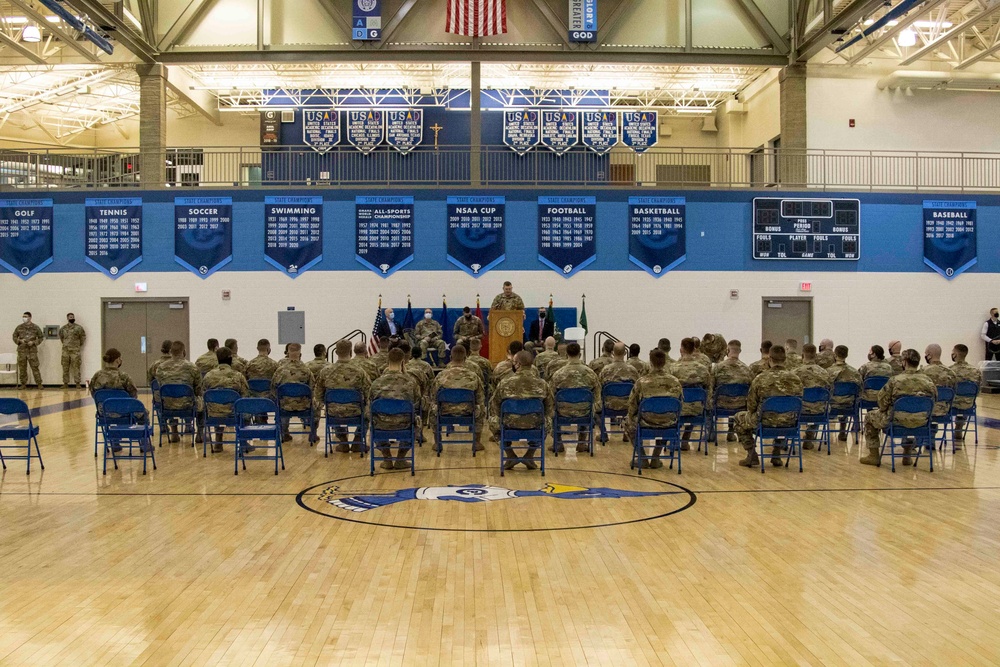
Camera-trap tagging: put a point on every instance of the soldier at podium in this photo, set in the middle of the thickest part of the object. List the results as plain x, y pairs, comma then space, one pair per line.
507, 300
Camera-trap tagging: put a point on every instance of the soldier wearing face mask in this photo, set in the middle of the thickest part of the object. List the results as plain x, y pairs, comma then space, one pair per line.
111, 377
27, 336
990, 335
429, 334
72, 337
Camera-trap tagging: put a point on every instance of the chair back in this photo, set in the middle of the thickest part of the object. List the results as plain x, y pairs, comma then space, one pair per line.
458, 396
14, 406
176, 391
966, 389
660, 405
260, 385
816, 395
391, 406
781, 405
845, 389
915, 405
343, 397
617, 389
945, 394
294, 390
574, 395
102, 395
733, 390
875, 383
128, 410
522, 406
221, 396
695, 395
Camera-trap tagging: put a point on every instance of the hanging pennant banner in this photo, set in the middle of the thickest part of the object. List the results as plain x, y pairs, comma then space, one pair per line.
365, 129
599, 130
639, 129
384, 233
293, 231
367, 20
404, 129
114, 234
203, 233
520, 130
567, 238
559, 130
477, 237
25, 235
950, 236
656, 227
583, 21
321, 129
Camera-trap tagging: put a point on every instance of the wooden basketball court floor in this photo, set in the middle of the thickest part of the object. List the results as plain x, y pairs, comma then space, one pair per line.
190, 565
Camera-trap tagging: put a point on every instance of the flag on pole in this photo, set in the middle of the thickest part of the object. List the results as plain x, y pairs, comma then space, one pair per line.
373, 339
550, 315
446, 330
484, 350
583, 315
408, 322
476, 18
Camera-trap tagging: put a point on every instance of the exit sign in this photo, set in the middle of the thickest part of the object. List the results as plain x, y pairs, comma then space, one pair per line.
805, 286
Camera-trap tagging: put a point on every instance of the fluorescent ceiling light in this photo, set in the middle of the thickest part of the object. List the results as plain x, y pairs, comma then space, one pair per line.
907, 38
933, 24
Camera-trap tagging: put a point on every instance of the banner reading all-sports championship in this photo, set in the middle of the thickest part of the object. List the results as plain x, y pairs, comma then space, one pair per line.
657, 241
113, 234
477, 236
567, 233
203, 233
25, 235
950, 236
293, 230
384, 233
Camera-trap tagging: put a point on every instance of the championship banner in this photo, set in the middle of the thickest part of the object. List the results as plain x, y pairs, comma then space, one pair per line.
203, 233
949, 236
321, 129
293, 231
404, 129
657, 237
559, 130
567, 239
114, 234
365, 129
366, 23
520, 130
384, 233
639, 129
477, 237
583, 21
25, 235
599, 130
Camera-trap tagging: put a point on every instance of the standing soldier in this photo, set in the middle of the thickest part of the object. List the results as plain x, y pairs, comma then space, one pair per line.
459, 375
27, 336
223, 376
731, 371
318, 362
576, 375
468, 327
429, 333
210, 359
293, 371
395, 383
523, 382
507, 300
239, 363
73, 337
657, 382
775, 381
911, 382
343, 374
178, 370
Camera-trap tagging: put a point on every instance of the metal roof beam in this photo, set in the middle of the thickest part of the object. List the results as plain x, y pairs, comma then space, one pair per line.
190, 90
67, 38
124, 34
763, 25
21, 49
396, 21
188, 19
892, 31
955, 31
617, 14
557, 26
338, 16
831, 30
976, 57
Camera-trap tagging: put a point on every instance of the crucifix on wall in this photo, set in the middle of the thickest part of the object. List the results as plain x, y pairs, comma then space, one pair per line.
437, 128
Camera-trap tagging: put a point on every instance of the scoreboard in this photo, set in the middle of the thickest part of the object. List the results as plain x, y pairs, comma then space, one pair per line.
806, 228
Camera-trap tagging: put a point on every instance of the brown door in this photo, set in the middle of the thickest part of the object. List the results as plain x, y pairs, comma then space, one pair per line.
137, 327
787, 317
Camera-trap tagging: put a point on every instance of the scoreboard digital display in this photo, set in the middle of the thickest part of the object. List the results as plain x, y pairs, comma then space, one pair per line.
806, 229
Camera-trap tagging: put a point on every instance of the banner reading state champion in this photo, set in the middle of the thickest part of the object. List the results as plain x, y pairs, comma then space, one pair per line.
656, 233
949, 236
293, 231
114, 234
384, 233
477, 236
567, 235
203, 233
25, 235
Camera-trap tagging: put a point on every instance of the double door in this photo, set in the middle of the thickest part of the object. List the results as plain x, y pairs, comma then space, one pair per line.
137, 327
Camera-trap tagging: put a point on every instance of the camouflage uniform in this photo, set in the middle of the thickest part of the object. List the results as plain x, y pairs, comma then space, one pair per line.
639, 365
521, 384
485, 370
28, 336
424, 375
543, 359
398, 385
177, 370
368, 366
224, 376
618, 371
206, 362
813, 376
826, 358
110, 377
72, 336
342, 375
380, 361
550, 368
841, 371
703, 359
942, 377
502, 302
598, 364
317, 365
459, 377
467, 328
792, 360
731, 371
964, 371
775, 381
502, 370
151, 374
294, 372
261, 367
758, 367
430, 334
874, 368
693, 373
910, 382
239, 364
896, 363
714, 347
576, 375
655, 383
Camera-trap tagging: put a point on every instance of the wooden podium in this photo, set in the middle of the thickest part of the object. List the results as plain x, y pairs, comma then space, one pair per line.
505, 326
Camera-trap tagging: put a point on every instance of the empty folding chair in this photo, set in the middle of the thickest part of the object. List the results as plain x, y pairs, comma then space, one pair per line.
731, 394
352, 403
942, 416
128, 432
613, 390
789, 408
100, 396
23, 430
383, 409
662, 409
534, 438
817, 421
573, 428
248, 428
699, 422
223, 400
844, 406
918, 411
460, 405
186, 416
966, 393
293, 390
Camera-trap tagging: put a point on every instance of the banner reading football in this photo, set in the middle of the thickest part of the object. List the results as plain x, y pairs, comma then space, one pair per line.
25, 235
477, 236
114, 234
293, 231
657, 241
567, 238
950, 236
384, 233
203, 233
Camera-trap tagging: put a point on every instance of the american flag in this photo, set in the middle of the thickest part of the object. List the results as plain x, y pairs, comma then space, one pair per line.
373, 339
476, 18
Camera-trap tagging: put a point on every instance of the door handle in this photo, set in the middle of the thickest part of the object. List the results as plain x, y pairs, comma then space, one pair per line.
142, 344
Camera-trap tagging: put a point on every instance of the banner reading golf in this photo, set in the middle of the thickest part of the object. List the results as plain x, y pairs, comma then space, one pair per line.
25, 235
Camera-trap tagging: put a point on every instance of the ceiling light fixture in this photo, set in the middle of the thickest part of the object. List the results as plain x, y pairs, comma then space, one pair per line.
907, 38
31, 34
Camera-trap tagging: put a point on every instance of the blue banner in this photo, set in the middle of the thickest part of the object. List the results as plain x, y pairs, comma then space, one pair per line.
656, 228
599, 130
559, 130
583, 21
384, 233
949, 236
365, 129
293, 231
114, 234
404, 129
367, 20
321, 129
567, 233
639, 129
203, 233
520, 130
477, 236
25, 235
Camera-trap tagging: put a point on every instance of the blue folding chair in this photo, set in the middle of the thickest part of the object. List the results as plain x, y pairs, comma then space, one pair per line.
154, 387
920, 436
127, 428
817, 422
790, 435
698, 422
535, 437
875, 384
966, 390
447, 423
393, 407
665, 436
259, 386
335, 424
15, 407
187, 417
613, 390
945, 395
844, 391
248, 427
219, 397
100, 396
733, 390
568, 427
307, 416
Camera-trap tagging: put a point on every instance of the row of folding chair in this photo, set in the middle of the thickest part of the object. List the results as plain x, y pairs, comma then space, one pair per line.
22, 430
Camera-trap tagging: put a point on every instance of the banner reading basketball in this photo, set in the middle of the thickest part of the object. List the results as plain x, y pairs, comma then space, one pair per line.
203, 233
656, 241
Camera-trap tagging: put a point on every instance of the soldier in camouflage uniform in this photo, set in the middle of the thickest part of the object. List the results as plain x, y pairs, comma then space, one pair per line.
506, 367
812, 376
964, 372
73, 337
825, 357
482, 364
210, 359
940, 374
507, 300
223, 376
895, 359
151, 371
658, 382
775, 381
730, 371
421, 371
543, 358
111, 377
468, 327
294, 371
345, 373
635, 361
551, 367
792, 357
692, 372
877, 366
699, 355
239, 363
762, 364
395, 383
617, 371
911, 382
714, 347
361, 359
381, 358
178, 370
429, 334
318, 362
576, 375
262, 367
607, 349
459, 374
28, 336
522, 383
841, 371
664, 346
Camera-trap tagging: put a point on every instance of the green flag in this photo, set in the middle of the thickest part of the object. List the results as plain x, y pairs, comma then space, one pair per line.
583, 317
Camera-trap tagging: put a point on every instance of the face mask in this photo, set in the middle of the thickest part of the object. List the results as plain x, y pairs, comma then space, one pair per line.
427, 316
72, 320
24, 319
927, 359
390, 316
953, 358
541, 316
993, 315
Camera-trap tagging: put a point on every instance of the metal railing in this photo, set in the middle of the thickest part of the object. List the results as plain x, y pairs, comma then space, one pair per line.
720, 168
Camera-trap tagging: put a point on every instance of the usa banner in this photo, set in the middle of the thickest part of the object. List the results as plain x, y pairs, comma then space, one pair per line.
384, 233
520, 130
293, 231
203, 233
113, 234
25, 235
639, 130
321, 129
404, 129
477, 236
950, 236
559, 130
476, 18
567, 234
657, 239
599, 130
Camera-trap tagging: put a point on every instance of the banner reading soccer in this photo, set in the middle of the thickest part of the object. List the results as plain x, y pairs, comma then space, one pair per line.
293, 231
384, 233
365, 129
567, 239
657, 240
114, 234
203, 233
25, 235
321, 129
404, 129
639, 130
477, 237
599, 130
520, 130
559, 130
950, 236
